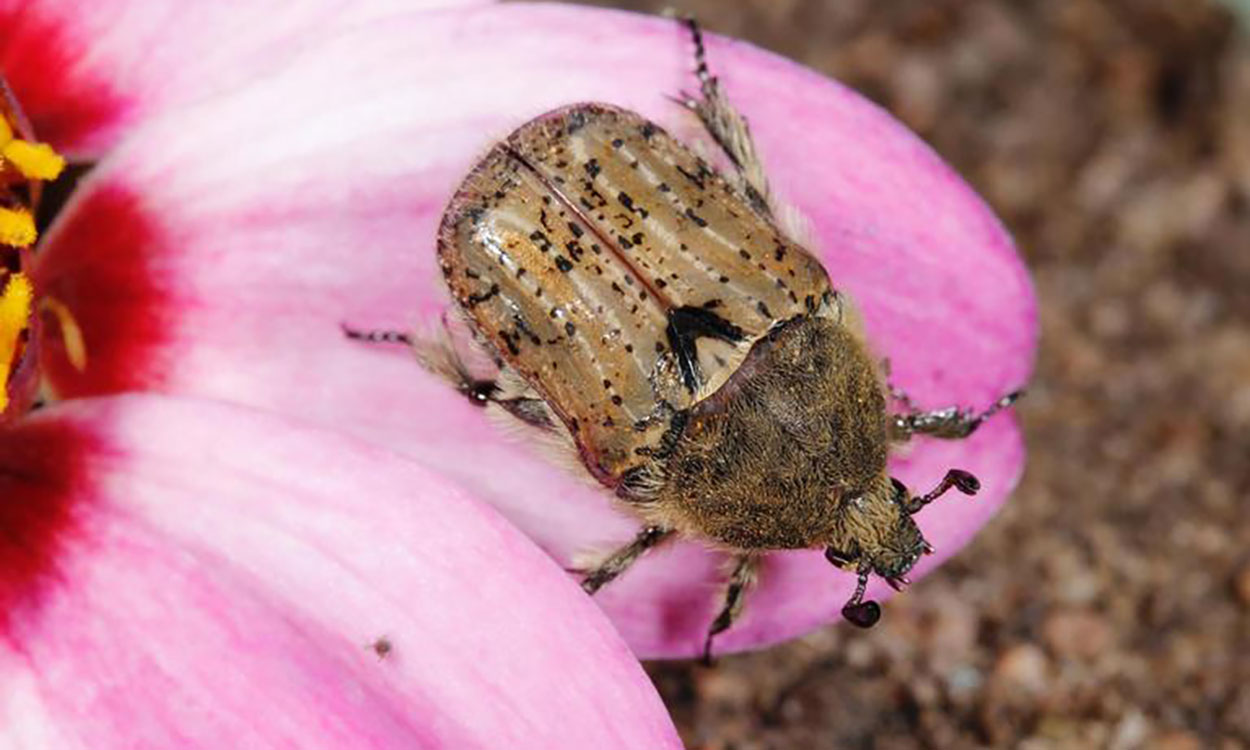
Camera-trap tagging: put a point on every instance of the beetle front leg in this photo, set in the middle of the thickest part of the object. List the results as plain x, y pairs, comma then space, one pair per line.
951, 423
726, 125
742, 578
620, 560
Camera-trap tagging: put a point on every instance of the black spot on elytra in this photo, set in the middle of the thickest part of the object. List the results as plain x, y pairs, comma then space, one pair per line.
544, 244
511, 340
763, 309
570, 329
473, 300
576, 229
563, 264
647, 130
697, 219
592, 168
617, 143
522, 326
696, 179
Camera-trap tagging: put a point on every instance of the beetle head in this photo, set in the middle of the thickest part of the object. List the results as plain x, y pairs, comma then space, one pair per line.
901, 546
897, 547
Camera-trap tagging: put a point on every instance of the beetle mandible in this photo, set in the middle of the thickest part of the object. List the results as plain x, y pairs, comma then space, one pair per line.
655, 319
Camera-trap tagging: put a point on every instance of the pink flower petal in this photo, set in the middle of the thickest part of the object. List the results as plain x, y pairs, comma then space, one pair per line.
254, 249
85, 70
185, 574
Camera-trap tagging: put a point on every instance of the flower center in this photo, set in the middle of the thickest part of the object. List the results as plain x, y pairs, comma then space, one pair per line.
24, 166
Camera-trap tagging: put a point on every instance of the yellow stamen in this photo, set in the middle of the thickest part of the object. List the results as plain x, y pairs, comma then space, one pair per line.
71, 334
6, 132
36, 161
14, 315
17, 227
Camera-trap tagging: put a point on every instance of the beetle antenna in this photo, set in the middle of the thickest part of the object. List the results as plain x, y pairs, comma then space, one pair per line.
861, 613
961, 480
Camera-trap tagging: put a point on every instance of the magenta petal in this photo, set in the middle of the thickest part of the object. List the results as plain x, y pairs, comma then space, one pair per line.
254, 249
184, 574
83, 71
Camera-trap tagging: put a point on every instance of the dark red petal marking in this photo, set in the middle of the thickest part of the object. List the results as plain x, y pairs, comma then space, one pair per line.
96, 263
42, 475
38, 56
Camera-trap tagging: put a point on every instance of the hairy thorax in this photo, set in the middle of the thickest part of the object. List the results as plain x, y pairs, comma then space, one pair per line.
770, 459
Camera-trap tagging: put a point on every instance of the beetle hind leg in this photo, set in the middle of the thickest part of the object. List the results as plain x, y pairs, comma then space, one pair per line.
437, 353
740, 581
726, 125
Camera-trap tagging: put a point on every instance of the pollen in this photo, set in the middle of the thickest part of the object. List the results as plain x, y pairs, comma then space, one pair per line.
15, 302
35, 161
17, 227
22, 161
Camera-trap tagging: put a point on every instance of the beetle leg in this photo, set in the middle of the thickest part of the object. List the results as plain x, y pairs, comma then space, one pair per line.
842, 558
951, 423
621, 559
740, 580
439, 356
378, 336
726, 125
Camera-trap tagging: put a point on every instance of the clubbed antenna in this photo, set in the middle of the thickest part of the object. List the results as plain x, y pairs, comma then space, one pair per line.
961, 480
858, 612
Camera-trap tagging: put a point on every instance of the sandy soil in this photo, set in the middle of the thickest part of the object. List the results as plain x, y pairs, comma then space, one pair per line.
1109, 604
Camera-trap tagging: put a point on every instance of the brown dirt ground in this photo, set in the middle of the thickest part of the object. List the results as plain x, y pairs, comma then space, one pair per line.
1109, 604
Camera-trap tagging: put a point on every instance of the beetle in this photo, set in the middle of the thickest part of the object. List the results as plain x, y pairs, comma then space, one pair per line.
655, 319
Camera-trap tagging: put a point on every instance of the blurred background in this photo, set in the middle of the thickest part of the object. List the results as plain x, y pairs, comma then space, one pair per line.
1108, 606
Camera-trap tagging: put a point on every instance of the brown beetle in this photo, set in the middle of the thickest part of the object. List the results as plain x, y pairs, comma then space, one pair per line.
653, 318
